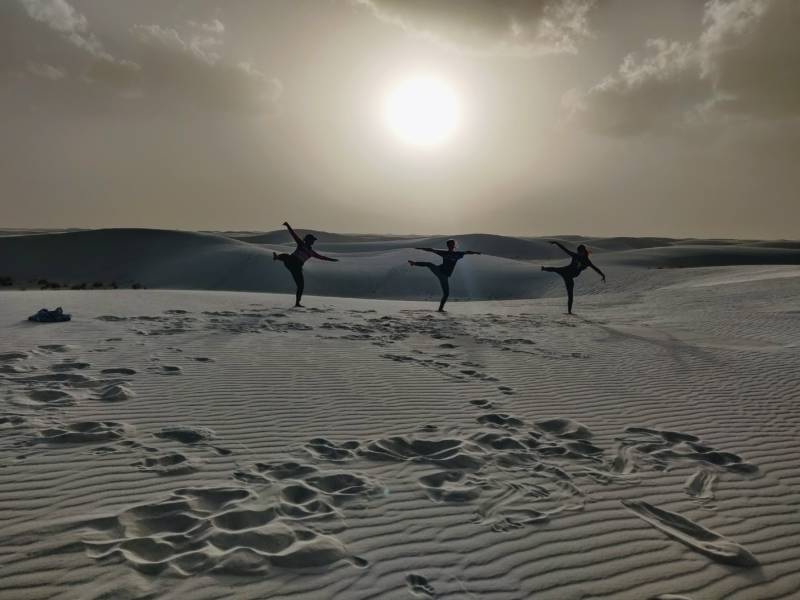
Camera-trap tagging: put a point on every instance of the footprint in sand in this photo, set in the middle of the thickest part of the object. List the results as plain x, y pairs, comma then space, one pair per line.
485, 404
645, 447
56, 348
71, 379
167, 370
429, 428
700, 485
191, 436
500, 421
564, 428
70, 366
270, 472
116, 393
186, 435
11, 420
445, 453
450, 486
326, 450
83, 432
174, 463
13, 356
124, 446
218, 530
419, 586
49, 398
118, 371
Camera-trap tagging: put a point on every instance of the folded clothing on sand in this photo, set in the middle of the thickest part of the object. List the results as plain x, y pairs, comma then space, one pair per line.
50, 316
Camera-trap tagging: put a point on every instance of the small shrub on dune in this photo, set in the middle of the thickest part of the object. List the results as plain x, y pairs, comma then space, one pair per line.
6, 281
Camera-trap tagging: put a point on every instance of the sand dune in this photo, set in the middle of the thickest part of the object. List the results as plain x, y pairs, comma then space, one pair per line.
375, 268
174, 444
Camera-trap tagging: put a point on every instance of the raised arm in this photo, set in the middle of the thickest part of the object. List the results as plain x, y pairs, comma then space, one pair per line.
570, 252
470, 252
599, 272
319, 256
294, 235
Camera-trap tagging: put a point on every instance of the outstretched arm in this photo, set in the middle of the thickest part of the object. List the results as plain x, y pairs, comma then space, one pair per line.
319, 256
426, 249
471, 252
570, 252
599, 272
294, 235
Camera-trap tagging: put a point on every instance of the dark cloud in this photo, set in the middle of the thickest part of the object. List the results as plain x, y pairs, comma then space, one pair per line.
654, 89
49, 39
750, 50
526, 27
744, 64
189, 68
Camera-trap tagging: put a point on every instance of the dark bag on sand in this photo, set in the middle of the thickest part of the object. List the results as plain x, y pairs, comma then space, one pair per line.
50, 316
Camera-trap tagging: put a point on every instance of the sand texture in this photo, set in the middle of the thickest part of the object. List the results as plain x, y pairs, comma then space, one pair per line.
216, 444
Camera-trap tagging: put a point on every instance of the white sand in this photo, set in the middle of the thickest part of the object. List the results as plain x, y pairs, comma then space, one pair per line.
201, 444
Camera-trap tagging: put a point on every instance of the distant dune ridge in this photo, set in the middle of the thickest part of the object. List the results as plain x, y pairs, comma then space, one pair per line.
371, 266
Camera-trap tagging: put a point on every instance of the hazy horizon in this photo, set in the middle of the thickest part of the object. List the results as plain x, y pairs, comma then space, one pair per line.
592, 117
399, 235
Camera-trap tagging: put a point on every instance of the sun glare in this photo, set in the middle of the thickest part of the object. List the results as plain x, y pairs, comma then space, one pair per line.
422, 111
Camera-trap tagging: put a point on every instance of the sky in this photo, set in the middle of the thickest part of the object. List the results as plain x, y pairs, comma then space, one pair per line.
592, 117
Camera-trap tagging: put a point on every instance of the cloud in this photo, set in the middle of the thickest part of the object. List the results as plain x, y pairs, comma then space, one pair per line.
750, 50
650, 90
173, 67
60, 16
190, 69
32, 36
521, 27
46, 71
743, 65
214, 26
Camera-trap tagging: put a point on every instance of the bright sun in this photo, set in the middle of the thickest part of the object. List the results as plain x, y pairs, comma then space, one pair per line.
422, 111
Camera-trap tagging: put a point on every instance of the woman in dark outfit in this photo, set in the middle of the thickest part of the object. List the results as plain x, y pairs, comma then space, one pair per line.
294, 261
580, 261
443, 271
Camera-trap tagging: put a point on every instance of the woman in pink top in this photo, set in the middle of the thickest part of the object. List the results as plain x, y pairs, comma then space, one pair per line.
294, 261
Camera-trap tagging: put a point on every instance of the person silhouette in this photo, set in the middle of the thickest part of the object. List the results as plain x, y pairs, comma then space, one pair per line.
294, 261
580, 261
443, 271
